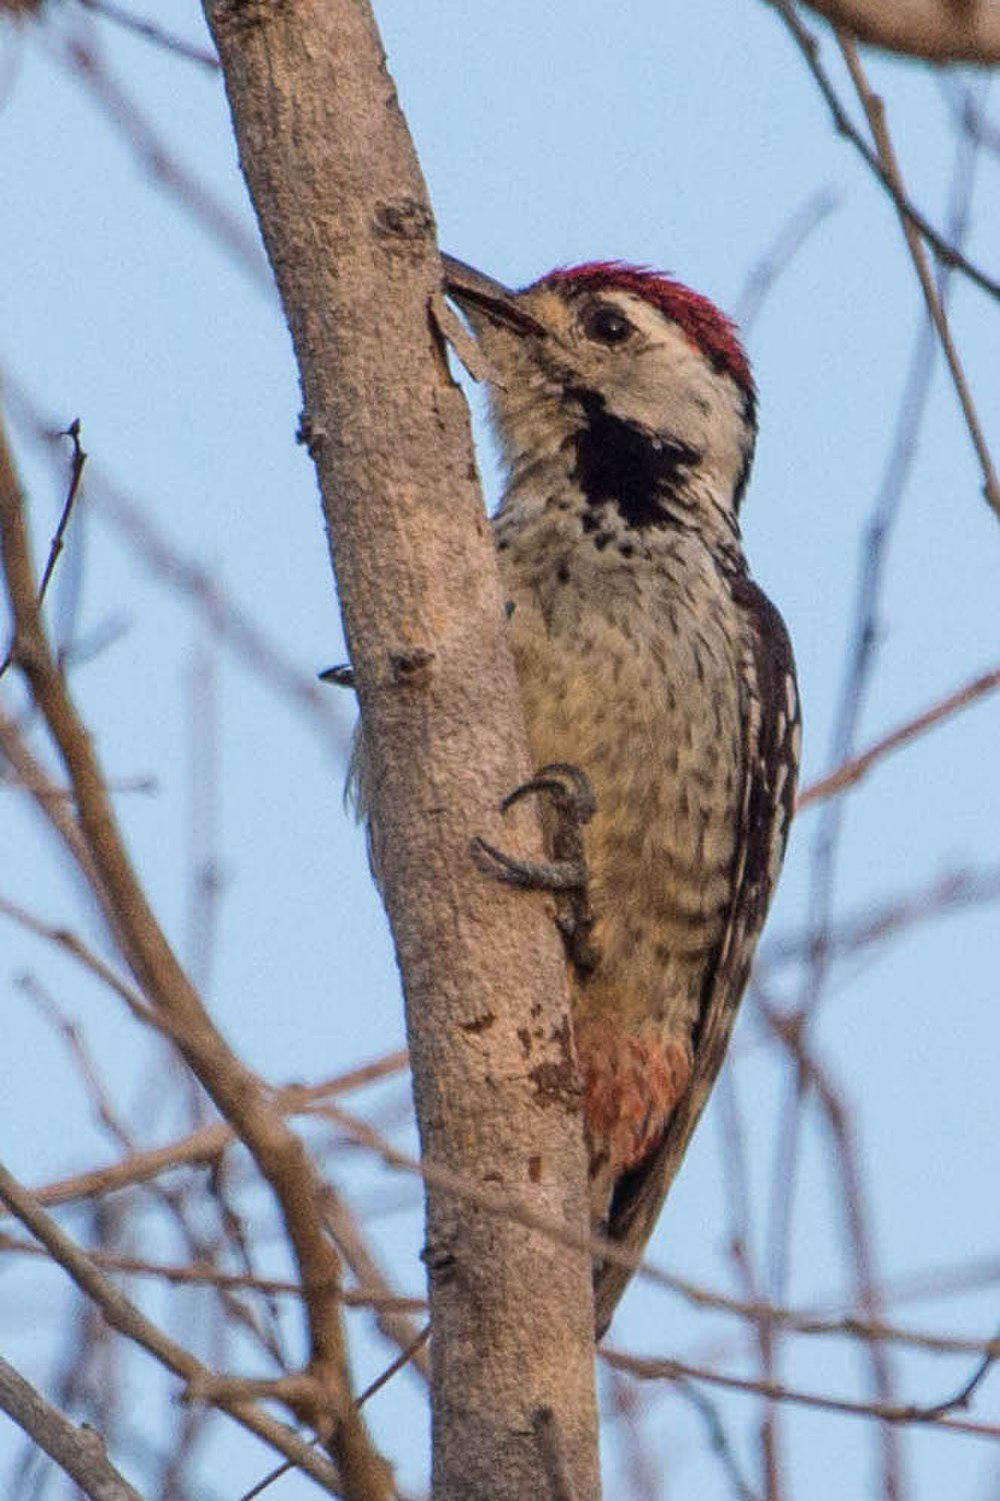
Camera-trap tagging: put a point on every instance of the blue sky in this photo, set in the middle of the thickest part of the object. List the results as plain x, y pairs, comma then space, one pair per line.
680, 136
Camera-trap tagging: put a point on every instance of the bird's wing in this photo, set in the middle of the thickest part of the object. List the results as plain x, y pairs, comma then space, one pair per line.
772, 742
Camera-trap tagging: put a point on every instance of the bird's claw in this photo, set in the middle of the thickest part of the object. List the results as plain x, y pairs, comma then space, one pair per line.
568, 787
566, 875
529, 875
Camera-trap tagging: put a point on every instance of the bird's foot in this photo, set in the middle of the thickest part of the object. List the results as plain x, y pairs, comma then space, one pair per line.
574, 805
566, 875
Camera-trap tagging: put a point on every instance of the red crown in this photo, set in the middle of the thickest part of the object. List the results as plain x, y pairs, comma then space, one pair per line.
700, 320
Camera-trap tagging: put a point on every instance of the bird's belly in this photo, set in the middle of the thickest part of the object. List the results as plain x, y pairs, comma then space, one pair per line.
653, 718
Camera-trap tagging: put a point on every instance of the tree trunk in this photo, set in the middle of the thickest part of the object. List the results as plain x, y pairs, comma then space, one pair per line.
350, 235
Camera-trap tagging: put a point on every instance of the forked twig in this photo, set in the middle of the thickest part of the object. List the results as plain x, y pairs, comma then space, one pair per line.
129, 1320
59, 536
874, 108
945, 252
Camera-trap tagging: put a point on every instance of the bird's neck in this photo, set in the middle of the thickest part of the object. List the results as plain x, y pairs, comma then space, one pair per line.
609, 479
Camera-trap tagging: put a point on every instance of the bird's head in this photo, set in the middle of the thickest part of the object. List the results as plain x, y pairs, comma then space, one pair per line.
618, 367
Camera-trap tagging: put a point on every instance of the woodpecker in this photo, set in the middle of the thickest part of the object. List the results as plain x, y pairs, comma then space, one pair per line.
654, 674
647, 658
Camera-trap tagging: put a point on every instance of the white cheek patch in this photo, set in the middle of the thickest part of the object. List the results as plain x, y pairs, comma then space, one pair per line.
666, 385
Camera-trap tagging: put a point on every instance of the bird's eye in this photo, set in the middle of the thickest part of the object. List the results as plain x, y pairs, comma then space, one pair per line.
606, 324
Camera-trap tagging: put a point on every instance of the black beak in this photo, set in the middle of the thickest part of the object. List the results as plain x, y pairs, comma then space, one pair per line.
474, 291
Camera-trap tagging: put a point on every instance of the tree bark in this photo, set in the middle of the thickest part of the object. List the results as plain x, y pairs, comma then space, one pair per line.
349, 232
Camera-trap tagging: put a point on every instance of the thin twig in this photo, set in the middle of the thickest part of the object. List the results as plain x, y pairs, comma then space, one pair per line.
228, 230
963, 1397
954, 891
129, 1320
146, 785
738, 1197
776, 259
211, 1276
71, 1034
78, 1451
350, 1240
496, 1201
151, 32
945, 252
874, 108
58, 538
402, 1359
852, 771
717, 1436
71, 944
278, 1153
232, 625
204, 1147
914, 1287
77, 465
858, 1227
199, 1248
645, 1369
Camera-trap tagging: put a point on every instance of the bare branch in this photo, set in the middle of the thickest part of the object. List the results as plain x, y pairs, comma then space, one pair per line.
734, 1156
645, 1369
857, 767
954, 891
205, 1146
963, 1397
278, 1153
800, 1321
129, 1320
768, 269
874, 108
230, 623
211, 1276
717, 1437
126, 115
62, 938
351, 1243
48, 797
402, 1360
939, 31
948, 254
858, 1228
146, 785
78, 1451
76, 475
150, 32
